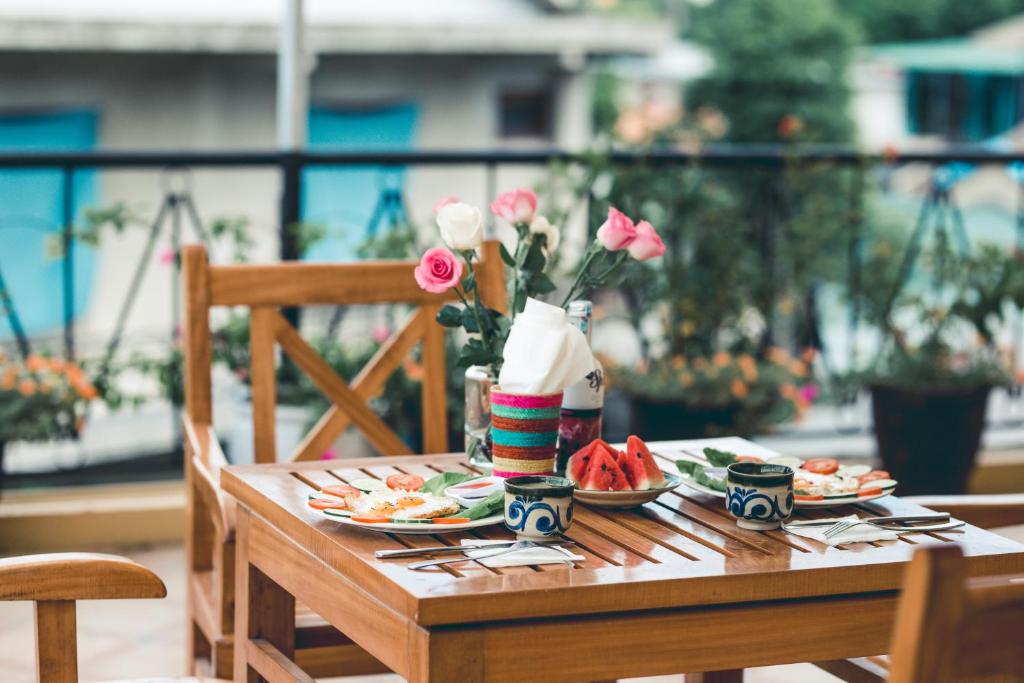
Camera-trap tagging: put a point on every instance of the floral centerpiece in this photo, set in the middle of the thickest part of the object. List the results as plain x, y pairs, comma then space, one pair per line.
450, 268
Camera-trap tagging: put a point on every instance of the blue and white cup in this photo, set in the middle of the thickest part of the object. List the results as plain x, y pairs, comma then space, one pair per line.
537, 507
758, 495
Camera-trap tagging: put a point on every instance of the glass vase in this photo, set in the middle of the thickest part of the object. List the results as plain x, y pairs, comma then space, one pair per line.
479, 380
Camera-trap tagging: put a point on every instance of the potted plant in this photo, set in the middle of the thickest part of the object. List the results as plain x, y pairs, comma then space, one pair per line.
41, 399
940, 359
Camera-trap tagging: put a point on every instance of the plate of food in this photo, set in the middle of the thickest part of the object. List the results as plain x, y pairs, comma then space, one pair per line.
610, 478
407, 504
818, 482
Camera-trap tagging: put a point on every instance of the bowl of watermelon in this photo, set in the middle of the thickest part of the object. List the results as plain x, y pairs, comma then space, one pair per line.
609, 478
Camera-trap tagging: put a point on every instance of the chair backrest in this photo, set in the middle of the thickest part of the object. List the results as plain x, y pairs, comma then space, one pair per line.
951, 629
266, 289
54, 582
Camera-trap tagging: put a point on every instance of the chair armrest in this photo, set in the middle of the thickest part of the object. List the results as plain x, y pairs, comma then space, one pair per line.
207, 459
986, 511
76, 576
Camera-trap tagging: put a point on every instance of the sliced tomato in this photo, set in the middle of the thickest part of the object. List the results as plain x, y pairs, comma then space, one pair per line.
327, 504
822, 465
473, 485
749, 458
452, 520
869, 491
370, 519
807, 498
404, 482
341, 490
873, 475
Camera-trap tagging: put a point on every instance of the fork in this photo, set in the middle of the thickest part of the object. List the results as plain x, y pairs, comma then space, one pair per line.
840, 527
515, 547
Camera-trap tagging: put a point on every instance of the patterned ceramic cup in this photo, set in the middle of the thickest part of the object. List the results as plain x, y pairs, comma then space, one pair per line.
538, 507
524, 431
759, 496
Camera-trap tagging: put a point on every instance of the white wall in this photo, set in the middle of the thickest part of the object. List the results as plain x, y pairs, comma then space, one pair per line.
879, 104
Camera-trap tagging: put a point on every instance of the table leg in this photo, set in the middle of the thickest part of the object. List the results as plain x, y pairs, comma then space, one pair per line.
446, 655
264, 616
725, 676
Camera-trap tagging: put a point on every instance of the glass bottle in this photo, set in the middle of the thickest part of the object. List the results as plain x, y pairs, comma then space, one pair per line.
582, 402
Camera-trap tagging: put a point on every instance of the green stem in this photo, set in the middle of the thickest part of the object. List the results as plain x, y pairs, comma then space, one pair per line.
520, 257
475, 307
592, 252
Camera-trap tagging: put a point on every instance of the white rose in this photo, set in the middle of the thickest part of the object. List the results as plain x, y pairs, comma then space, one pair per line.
461, 226
540, 226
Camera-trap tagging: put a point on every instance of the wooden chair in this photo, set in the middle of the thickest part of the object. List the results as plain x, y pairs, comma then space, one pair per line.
265, 290
986, 511
54, 583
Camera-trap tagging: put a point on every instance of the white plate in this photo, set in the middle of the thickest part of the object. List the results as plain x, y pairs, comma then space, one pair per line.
625, 499
688, 481
415, 527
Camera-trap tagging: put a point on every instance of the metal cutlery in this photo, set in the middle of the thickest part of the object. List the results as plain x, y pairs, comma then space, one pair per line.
440, 549
847, 525
515, 547
896, 519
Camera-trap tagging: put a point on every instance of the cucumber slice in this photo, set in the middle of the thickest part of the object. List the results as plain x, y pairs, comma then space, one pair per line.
880, 484
368, 484
853, 471
337, 513
848, 494
786, 461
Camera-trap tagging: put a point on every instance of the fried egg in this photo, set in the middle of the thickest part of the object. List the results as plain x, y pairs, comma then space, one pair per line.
404, 505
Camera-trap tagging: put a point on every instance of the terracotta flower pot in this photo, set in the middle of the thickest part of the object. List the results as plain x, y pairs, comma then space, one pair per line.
928, 438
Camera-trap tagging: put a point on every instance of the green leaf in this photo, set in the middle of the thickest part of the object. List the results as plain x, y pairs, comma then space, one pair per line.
519, 303
436, 485
507, 257
719, 458
539, 283
491, 505
687, 466
534, 261
449, 316
469, 321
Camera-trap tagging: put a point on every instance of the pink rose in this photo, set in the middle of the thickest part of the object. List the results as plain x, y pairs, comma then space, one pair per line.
647, 244
617, 232
445, 201
381, 333
166, 256
515, 206
438, 271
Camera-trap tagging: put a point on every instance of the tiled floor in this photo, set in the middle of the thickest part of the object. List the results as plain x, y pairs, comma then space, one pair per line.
140, 638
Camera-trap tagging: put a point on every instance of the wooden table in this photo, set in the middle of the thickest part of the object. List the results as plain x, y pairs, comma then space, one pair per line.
672, 587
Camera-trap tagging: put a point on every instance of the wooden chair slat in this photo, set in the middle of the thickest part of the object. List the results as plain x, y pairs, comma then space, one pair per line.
368, 384
56, 642
76, 576
323, 376
263, 326
435, 403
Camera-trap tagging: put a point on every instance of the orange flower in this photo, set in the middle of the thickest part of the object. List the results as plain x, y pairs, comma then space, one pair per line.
35, 363
797, 368
809, 354
739, 389
45, 387
413, 370
86, 390
700, 363
56, 364
778, 355
26, 387
9, 379
686, 379
789, 391
678, 362
721, 359
748, 366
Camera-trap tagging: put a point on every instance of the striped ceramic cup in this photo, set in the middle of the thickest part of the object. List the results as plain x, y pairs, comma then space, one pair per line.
524, 432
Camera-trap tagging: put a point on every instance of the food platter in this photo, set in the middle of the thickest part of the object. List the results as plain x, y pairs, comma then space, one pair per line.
814, 489
416, 527
626, 499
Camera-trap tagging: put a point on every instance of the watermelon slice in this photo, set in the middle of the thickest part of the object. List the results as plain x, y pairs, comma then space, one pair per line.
639, 466
580, 460
604, 474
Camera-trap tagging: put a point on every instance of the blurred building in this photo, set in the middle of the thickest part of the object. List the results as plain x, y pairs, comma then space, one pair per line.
953, 90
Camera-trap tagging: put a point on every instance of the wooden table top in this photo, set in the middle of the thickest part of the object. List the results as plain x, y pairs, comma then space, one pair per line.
679, 551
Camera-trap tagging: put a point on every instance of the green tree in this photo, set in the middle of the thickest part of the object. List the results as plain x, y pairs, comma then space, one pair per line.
775, 60
886, 21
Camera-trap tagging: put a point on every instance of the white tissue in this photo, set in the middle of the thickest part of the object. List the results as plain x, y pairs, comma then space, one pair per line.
544, 354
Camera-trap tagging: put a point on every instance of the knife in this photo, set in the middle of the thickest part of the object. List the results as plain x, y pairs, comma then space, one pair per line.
899, 519
441, 549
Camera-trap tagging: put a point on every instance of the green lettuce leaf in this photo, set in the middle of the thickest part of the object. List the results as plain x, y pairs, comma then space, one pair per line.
437, 485
491, 505
719, 458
